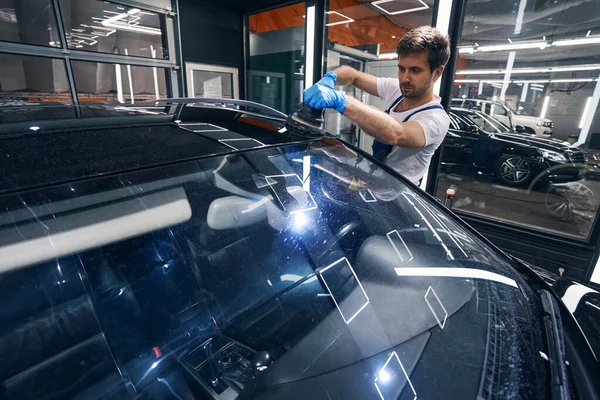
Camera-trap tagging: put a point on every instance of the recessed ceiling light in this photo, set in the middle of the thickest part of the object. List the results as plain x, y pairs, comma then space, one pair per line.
346, 21
377, 3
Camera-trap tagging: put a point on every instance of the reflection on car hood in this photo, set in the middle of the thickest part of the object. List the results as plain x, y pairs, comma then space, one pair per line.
535, 141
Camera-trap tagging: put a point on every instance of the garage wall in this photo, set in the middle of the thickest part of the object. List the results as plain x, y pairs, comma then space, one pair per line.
565, 110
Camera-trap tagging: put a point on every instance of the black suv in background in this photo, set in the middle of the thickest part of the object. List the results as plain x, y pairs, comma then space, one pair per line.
478, 142
201, 250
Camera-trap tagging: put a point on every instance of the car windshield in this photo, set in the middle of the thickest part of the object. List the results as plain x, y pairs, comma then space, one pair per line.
485, 122
289, 271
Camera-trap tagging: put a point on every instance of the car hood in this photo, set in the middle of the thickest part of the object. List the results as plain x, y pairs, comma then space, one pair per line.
550, 144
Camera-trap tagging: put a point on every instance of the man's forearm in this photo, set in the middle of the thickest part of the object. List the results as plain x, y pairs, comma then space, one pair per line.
373, 121
345, 75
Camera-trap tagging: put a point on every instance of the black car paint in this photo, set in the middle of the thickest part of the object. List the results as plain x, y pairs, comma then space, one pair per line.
475, 149
41, 283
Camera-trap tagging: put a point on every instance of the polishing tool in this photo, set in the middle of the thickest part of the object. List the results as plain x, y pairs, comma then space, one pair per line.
306, 122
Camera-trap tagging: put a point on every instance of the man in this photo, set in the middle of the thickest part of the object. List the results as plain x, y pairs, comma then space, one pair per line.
414, 123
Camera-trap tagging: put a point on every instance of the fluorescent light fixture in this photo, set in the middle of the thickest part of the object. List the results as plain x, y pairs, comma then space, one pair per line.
524, 92
520, 14
586, 109
537, 89
310, 47
119, 82
509, 66
533, 82
467, 273
572, 80
419, 8
155, 74
577, 42
130, 80
348, 19
545, 107
513, 46
466, 80
115, 22
515, 71
388, 56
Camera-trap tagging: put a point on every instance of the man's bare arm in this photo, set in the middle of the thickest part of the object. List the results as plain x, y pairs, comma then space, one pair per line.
349, 76
383, 127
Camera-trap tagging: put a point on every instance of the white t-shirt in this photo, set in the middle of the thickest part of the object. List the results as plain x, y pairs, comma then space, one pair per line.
412, 163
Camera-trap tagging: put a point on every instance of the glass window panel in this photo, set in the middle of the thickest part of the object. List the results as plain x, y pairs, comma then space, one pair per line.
212, 84
28, 21
359, 34
27, 79
102, 82
276, 65
534, 84
105, 27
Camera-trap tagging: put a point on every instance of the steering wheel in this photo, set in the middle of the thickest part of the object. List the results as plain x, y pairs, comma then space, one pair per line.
343, 232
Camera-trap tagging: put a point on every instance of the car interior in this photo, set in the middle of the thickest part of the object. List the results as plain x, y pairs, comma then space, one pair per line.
251, 307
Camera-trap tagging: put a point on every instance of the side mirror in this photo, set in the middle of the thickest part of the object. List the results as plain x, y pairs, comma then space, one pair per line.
520, 129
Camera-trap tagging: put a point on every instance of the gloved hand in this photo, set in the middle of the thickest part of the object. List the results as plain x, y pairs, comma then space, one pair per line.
329, 80
320, 96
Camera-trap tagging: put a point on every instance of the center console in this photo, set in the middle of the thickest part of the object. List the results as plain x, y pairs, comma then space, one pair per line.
222, 366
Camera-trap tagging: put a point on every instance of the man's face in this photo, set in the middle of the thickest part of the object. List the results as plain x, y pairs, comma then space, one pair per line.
415, 74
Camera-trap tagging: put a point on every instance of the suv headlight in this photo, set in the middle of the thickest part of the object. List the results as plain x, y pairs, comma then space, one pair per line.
553, 156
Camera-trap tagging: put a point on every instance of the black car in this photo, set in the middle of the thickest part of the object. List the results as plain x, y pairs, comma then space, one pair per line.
202, 250
477, 142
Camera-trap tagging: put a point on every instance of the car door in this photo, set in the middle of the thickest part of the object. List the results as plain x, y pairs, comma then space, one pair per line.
459, 142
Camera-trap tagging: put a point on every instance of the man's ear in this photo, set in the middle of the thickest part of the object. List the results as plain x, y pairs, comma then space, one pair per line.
438, 73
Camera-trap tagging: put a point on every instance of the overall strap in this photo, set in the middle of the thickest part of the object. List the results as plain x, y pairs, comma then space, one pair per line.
432, 107
394, 104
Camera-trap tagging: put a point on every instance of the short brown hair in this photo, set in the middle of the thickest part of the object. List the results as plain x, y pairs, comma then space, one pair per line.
426, 38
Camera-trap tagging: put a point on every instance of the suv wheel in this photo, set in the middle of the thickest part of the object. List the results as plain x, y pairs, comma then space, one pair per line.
513, 170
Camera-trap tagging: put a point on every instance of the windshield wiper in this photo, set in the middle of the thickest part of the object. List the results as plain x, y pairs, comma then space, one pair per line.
559, 384
232, 104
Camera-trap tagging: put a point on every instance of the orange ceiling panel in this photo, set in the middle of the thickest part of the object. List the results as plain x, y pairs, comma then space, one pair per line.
277, 19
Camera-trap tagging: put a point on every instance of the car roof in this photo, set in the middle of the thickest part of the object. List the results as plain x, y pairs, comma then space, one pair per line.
52, 144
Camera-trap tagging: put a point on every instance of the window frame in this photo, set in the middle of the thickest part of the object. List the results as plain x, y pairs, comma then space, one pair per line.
171, 37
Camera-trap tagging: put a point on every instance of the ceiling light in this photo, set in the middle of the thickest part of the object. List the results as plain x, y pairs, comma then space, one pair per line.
115, 22
537, 89
585, 111
545, 107
514, 46
533, 81
576, 42
419, 8
348, 19
572, 80
388, 56
569, 68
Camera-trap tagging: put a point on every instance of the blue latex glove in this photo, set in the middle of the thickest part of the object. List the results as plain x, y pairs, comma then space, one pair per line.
320, 96
329, 80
